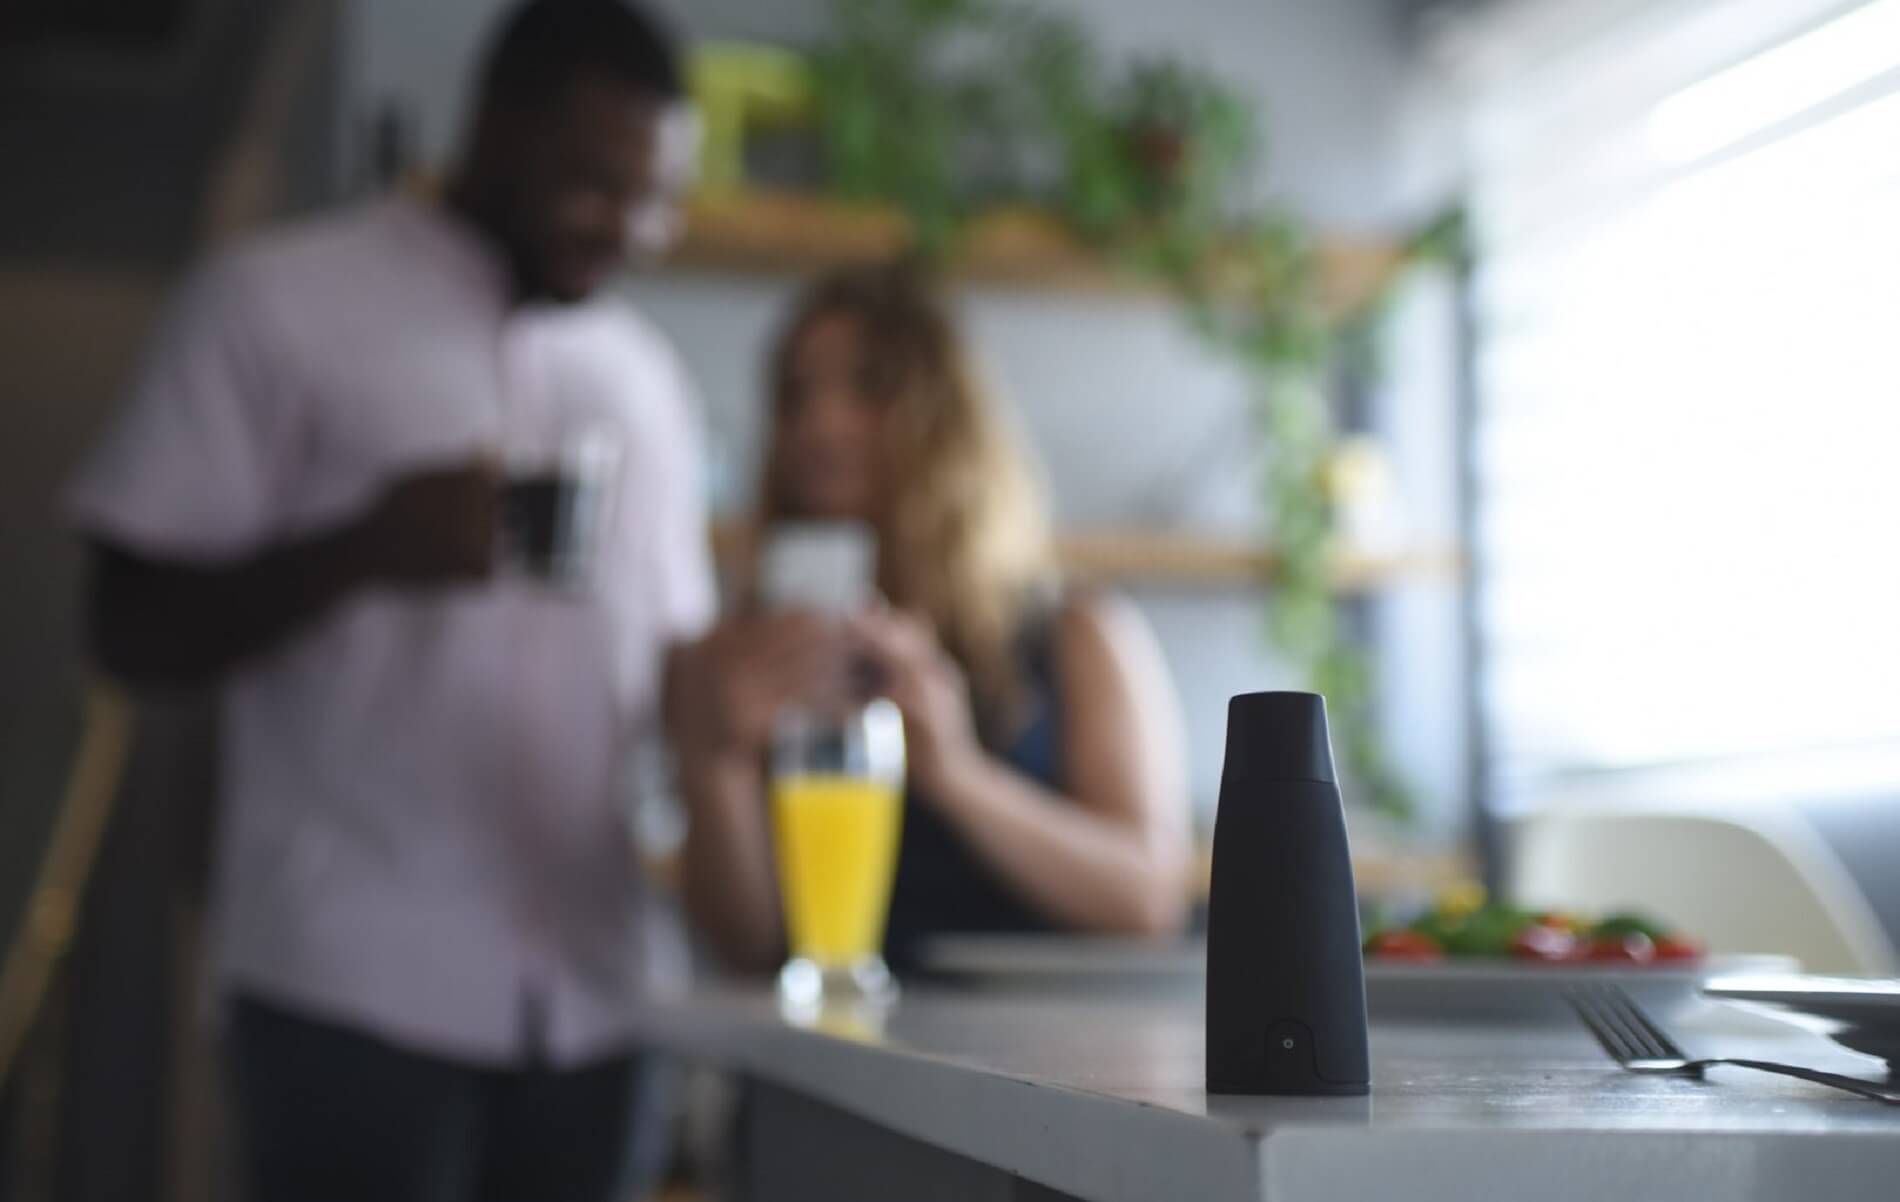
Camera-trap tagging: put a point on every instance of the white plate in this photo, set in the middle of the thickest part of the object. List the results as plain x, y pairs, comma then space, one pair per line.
1066, 962
1515, 990
1862, 1013
1488, 990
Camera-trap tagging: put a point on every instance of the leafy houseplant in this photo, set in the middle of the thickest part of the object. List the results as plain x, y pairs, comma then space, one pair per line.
947, 107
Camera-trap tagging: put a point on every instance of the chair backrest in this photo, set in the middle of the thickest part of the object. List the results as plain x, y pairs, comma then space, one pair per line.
30, 957
1754, 880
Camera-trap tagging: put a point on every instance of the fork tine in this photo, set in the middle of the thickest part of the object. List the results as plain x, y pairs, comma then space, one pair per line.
1606, 1032
1617, 1008
1623, 1030
1665, 1047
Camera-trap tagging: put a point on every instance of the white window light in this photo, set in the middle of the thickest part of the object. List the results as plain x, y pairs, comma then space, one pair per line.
1781, 83
1689, 403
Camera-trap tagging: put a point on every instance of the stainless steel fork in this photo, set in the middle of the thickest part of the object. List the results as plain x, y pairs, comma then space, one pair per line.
1634, 1041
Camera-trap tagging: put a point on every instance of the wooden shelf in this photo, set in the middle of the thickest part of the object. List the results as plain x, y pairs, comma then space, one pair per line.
1160, 557
1137, 555
792, 233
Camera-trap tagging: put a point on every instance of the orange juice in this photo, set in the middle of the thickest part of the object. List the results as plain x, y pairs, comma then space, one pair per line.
837, 852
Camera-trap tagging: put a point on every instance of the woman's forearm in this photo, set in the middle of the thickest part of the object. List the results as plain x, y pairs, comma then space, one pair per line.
1080, 868
730, 883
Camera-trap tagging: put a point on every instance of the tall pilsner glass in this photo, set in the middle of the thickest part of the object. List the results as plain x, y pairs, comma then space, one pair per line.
837, 798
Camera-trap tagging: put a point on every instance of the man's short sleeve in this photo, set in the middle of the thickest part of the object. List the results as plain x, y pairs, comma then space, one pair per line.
191, 467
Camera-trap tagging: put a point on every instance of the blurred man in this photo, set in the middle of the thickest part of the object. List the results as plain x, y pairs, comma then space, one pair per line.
428, 913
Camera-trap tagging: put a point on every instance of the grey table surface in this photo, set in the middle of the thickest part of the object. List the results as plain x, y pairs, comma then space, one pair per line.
1101, 1097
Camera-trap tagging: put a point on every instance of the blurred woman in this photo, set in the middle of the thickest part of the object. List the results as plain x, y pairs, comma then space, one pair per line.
1047, 786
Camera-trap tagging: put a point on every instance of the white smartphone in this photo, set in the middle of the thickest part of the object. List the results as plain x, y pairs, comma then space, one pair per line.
825, 567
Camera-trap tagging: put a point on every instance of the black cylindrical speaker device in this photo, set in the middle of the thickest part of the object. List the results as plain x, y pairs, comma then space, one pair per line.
1286, 992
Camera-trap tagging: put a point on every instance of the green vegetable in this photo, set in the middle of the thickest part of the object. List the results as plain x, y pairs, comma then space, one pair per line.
1488, 932
1629, 922
1439, 926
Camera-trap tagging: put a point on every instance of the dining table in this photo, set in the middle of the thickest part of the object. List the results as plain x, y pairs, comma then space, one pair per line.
1035, 1095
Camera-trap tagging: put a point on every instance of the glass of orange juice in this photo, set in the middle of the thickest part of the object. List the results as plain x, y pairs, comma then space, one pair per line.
837, 798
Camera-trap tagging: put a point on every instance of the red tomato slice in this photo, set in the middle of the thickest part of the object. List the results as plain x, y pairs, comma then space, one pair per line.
1633, 948
1547, 943
1405, 945
1677, 948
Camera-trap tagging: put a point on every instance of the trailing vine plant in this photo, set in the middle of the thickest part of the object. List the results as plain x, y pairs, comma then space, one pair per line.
947, 108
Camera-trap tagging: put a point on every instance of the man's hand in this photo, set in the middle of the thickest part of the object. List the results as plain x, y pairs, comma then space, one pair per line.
434, 527
160, 622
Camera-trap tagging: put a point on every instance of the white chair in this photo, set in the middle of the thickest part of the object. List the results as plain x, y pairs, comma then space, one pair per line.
1757, 879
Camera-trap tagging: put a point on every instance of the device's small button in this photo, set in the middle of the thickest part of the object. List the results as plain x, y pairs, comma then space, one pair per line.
1290, 1050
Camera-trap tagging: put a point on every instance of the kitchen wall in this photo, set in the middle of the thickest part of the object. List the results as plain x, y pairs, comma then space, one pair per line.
1134, 422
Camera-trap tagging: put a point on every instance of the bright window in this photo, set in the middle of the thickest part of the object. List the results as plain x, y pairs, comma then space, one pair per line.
1688, 431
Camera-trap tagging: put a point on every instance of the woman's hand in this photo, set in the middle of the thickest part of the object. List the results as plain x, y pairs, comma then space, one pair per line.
737, 679
928, 687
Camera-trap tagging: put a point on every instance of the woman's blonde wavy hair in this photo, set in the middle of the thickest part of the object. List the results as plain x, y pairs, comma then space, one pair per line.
965, 540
